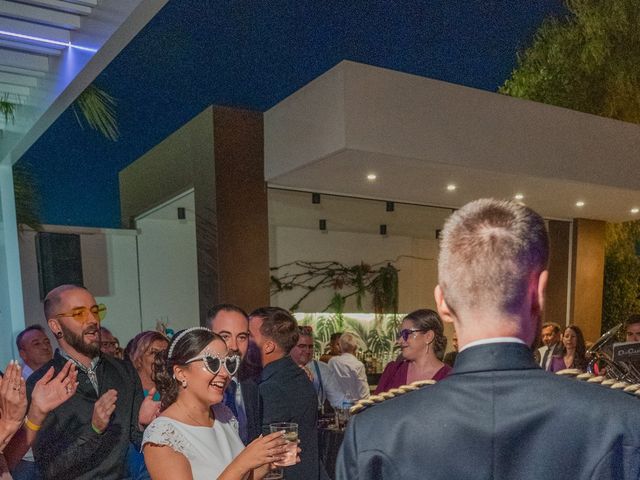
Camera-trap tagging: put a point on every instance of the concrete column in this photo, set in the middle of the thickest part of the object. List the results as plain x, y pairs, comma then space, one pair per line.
219, 154
11, 308
232, 227
557, 289
587, 276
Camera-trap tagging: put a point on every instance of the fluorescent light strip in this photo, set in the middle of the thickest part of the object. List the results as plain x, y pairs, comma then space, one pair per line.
46, 41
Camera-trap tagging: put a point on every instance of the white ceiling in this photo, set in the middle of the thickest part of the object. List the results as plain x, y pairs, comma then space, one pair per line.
418, 135
288, 208
48, 57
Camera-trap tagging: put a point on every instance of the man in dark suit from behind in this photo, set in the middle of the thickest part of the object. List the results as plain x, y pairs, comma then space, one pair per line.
241, 396
487, 420
286, 393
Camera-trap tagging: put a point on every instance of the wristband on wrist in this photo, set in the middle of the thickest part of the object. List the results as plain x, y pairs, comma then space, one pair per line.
30, 425
96, 429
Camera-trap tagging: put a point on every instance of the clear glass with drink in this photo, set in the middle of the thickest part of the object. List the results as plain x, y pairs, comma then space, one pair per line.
291, 436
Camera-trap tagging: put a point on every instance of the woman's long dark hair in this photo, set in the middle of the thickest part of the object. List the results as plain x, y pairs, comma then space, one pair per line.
579, 358
185, 348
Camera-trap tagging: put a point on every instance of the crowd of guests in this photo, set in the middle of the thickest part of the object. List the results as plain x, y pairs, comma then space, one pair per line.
200, 404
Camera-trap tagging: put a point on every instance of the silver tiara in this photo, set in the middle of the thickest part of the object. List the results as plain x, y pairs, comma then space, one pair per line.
182, 334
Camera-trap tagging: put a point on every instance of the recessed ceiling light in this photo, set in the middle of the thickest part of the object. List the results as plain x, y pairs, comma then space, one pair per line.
518, 196
451, 187
635, 210
371, 177
580, 204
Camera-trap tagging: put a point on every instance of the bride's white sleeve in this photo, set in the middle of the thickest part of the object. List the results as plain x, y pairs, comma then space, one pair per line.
164, 433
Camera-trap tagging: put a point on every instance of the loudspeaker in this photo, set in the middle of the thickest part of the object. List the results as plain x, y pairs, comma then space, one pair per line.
59, 260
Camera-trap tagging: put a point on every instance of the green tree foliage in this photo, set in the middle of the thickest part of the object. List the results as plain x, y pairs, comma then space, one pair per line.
621, 273
590, 61
587, 61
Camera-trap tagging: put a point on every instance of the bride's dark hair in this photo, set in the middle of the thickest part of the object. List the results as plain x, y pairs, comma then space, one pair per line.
185, 345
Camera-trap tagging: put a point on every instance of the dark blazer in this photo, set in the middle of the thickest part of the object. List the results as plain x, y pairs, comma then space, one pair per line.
497, 416
287, 395
67, 447
251, 400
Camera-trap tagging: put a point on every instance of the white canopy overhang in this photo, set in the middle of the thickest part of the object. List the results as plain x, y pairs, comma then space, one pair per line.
418, 135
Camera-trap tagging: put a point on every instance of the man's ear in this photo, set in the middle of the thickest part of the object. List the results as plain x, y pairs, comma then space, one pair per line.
541, 291
269, 347
446, 314
22, 355
54, 325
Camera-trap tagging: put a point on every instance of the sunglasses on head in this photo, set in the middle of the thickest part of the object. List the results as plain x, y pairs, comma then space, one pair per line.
213, 363
405, 333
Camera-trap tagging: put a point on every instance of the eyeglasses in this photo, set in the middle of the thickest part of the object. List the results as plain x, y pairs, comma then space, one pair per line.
406, 332
112, 344
82, 314
213, 363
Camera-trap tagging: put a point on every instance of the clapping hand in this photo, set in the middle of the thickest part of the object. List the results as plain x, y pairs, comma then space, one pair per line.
13, 401
49, 392
102, 410
149, 410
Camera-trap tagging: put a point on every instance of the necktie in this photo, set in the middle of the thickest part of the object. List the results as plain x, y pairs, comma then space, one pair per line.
230, 397
543, 364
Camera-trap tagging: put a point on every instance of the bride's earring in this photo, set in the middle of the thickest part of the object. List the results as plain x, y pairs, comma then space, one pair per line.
184, 383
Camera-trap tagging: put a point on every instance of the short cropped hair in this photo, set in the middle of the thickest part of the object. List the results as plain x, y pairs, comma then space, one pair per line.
278, 325
488, 250
52, 300
348, 342
554, 325
224, 307
633, 318
23, 332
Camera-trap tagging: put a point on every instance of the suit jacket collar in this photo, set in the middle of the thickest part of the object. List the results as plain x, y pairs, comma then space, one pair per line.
493, 357
275, 366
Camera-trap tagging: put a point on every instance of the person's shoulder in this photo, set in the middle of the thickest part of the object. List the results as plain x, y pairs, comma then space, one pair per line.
406, 399
40, 372
323, 367
582, 396
123, 367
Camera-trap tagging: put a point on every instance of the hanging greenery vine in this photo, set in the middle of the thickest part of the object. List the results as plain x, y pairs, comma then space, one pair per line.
379, 281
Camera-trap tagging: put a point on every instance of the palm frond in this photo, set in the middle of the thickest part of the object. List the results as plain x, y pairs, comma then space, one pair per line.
7, 108
98, 109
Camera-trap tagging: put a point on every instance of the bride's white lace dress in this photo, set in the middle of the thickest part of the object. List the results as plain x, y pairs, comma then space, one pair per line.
208, 449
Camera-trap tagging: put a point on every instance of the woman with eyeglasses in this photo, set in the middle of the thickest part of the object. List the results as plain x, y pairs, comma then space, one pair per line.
196, 435
422, 343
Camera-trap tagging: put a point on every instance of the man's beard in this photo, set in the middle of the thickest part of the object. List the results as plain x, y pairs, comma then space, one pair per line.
77, 341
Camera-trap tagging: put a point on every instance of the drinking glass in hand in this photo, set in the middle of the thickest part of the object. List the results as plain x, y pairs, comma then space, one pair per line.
291, 436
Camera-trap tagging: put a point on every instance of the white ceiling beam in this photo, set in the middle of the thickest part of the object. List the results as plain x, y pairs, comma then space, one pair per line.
30, 47
24, 60
21, 27
88, 3
45, 16
15, 79
14, 89
22, 71
60, 5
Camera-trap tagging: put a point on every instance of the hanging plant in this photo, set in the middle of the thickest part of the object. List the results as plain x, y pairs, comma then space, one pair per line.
379, 282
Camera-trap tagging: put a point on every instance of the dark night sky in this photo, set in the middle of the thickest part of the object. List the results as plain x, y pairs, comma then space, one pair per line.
253, 54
